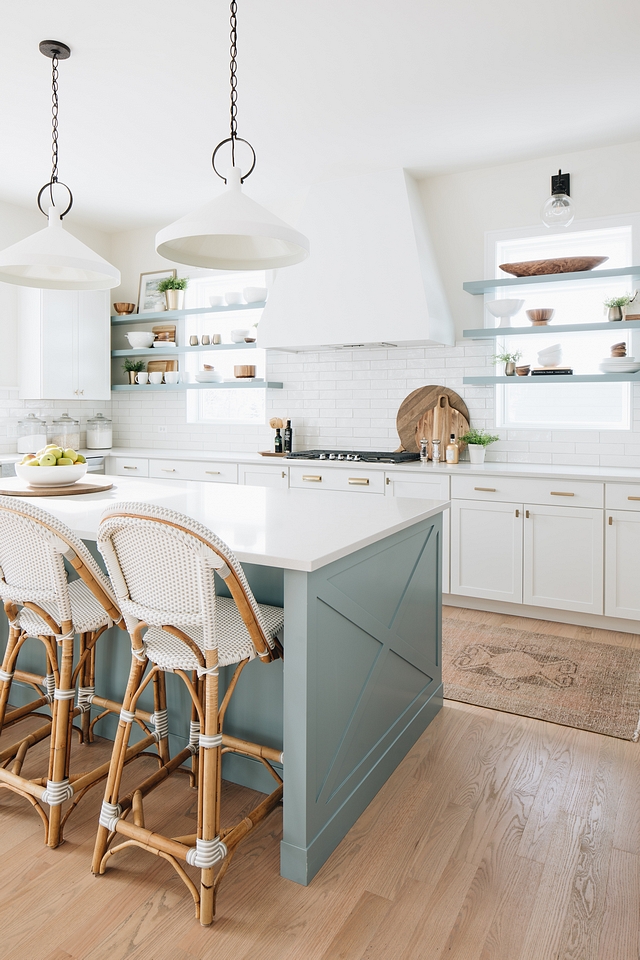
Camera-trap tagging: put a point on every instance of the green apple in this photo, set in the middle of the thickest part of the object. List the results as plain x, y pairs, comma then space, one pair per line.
64, 462
70, 454
33, 463
48, 460
27, 457
80, 458
56, 452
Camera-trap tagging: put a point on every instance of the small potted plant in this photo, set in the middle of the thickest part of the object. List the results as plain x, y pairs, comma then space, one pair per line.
132, 367
615, 306
477, 442
173, 289
509, 360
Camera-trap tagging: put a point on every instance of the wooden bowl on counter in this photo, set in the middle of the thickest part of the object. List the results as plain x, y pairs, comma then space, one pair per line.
245, 371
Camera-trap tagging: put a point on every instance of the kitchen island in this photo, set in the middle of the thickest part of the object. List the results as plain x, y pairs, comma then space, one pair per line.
361, 587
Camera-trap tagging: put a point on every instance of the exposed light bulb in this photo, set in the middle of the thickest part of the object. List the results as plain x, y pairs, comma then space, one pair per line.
558, 210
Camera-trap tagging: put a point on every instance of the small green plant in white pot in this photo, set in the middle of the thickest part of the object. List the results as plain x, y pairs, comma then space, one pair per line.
477, 442
509, 360
173, 289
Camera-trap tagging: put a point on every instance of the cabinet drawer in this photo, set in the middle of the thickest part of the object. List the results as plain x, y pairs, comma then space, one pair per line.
263, 475
622, 496
129, 467
399, 484
357, 481
568, 493
211, 472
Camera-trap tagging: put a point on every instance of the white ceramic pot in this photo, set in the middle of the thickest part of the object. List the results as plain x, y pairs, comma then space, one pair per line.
476, 452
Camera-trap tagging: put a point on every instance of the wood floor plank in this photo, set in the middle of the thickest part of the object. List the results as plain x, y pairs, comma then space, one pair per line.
436, 921
354, 934
620, 938
393, 936
513, 911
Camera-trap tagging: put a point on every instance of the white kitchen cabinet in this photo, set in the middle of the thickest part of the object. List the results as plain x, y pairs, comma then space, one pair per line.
622, 564
563, 558
206, 470
432, 487
64, 345
486, 550
264, 475
127, 466
348, 479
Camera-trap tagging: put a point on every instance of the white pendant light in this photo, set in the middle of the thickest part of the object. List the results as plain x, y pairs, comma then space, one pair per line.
232, 232
53, 259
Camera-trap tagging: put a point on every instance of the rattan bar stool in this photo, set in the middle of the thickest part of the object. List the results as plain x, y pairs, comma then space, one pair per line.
41, 602
162, 567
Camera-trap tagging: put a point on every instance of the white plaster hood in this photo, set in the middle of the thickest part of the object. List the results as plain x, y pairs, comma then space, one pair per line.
371, 278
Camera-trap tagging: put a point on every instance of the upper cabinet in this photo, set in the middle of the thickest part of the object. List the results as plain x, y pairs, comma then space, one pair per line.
372, 276
64, 345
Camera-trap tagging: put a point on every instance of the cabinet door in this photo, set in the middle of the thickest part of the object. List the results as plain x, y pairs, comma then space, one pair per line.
264, 475
622, 568
563, 558
398, 484
486, 550
58, 345
93, 347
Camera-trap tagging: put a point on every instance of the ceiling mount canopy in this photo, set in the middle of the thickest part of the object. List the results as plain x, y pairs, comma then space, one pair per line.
232, 232
52, 258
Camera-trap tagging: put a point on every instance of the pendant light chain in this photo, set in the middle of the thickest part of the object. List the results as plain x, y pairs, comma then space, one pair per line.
233, 67
54, 120
56, 51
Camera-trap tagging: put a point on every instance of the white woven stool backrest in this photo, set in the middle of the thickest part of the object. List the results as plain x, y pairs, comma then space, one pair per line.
162, 564
33, 545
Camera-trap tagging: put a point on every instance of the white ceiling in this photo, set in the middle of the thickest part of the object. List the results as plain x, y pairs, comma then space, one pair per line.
326, 88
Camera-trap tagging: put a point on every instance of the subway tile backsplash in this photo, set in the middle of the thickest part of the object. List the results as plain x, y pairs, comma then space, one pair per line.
341, 398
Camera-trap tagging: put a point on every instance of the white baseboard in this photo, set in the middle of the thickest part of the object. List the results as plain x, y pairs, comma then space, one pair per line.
542, 613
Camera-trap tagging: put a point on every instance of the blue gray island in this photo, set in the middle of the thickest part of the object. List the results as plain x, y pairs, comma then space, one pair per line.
360, 581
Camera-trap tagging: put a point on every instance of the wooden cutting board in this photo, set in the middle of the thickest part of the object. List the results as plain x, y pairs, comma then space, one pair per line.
161, 366
430, 412
15, 487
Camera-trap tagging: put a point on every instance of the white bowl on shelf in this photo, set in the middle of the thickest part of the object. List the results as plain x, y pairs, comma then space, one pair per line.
233, 296
216, 301
237, 336
164, 345
209, 376
629, 366
255, 294
51, 476
140, 339
503, 310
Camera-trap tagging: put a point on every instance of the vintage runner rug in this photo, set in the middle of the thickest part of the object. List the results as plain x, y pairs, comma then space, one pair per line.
591, 686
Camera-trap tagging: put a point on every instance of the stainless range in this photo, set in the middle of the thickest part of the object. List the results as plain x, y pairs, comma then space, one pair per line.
364, 456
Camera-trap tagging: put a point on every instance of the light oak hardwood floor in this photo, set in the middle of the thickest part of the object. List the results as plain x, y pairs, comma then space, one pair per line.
497, 838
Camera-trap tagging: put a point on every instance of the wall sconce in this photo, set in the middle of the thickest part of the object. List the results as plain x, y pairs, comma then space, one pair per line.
558, 211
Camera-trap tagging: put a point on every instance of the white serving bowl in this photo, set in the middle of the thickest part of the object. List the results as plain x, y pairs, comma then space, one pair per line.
237, 336
164, 344
140, 339
51, 476
504, 309
550, 356
233, 297
631, 366
217, 300
255, 294
209, 377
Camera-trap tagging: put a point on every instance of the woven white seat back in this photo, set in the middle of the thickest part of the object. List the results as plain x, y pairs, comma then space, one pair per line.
33, 545
162, 566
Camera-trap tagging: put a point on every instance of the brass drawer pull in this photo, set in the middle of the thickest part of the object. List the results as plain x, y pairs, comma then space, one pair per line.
527, 515
213, 473
517, 513
311, 479
359, 481
389, 481
125, 467
284, 474
561, 493
610, 521
486, 489
633, 498
168, 469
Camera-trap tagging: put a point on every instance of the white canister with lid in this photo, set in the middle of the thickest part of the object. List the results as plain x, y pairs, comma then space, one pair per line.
32, 434
99, 433
66, 432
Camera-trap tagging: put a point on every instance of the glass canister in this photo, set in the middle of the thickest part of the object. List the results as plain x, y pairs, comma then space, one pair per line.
66, 432
32, 434
99, 433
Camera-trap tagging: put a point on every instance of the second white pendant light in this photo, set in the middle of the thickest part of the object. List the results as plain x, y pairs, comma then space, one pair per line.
232, 232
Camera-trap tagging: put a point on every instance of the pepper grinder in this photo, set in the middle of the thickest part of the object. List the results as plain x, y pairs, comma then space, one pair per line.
435, 455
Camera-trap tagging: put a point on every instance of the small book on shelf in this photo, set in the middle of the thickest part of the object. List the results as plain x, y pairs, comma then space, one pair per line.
552, 372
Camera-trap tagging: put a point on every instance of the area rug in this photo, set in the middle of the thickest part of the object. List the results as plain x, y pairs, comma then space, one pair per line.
591, 686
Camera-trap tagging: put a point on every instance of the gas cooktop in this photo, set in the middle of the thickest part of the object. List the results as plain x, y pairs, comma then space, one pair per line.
366, 456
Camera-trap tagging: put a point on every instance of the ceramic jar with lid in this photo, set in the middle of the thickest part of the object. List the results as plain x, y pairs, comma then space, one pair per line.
99, 433
66, 432
32, 434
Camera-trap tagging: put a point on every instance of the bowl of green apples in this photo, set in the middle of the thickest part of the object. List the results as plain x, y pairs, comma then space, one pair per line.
52, 467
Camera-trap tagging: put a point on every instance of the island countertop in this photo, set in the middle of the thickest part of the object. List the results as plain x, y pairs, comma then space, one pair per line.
290, 529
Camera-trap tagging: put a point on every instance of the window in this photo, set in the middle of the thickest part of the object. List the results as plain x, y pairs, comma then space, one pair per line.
232, 406
600, 406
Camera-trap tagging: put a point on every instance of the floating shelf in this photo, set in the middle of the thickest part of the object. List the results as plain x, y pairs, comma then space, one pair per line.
176, 314
614, 327
477, 287
240, 385
178, 351
572, 378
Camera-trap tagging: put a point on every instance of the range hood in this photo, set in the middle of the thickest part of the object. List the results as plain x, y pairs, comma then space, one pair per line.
371, 278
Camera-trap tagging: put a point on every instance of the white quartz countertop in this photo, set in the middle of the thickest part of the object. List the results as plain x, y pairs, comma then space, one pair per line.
293, 529
557, 472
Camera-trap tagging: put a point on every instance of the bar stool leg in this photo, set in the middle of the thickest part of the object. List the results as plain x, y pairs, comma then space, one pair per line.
210, 761
61, 737
8, 665
160, 711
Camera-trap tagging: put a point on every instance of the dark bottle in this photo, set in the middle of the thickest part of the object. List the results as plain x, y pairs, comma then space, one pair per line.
288, 437
278, 441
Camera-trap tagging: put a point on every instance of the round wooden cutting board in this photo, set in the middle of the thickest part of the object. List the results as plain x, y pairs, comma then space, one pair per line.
430, 412
15, 487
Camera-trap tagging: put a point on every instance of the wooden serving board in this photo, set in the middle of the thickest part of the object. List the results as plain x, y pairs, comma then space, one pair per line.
161, 366
270, 453
430, 412
15, 487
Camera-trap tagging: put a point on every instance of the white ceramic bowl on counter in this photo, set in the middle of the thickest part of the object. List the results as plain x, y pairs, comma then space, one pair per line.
51, 476
140, 339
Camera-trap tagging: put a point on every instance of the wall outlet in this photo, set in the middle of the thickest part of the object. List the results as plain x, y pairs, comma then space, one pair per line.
162, 428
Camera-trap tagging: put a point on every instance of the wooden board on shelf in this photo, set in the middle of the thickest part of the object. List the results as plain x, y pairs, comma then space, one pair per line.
430, 412
161, 366
15, 487
270, 453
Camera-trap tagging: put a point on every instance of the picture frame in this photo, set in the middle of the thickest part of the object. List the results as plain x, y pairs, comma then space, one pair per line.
149, 300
